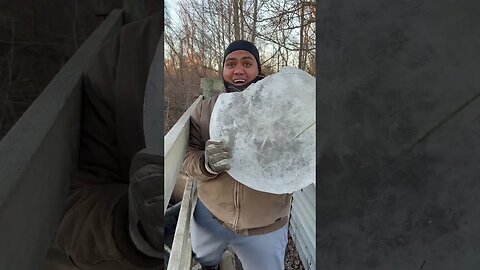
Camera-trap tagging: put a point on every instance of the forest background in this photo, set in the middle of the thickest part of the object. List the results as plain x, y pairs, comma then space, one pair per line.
198, 31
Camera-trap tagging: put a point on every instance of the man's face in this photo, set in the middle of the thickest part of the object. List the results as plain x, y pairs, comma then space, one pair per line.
240, 67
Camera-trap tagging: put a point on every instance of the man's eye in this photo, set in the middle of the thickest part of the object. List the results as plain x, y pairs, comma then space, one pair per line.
247, 65
230, 65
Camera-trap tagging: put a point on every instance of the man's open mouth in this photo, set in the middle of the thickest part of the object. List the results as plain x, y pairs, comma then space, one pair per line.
239, 81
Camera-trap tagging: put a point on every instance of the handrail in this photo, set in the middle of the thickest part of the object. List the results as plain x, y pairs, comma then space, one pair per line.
37, 157
181, 253
176, 142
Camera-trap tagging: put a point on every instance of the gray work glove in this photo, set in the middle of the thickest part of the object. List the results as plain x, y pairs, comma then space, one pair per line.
217, 154
146, 201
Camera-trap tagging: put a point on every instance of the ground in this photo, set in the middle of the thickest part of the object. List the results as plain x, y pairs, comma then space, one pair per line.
292, 259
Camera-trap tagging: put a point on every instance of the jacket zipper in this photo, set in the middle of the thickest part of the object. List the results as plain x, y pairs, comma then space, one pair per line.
235, 205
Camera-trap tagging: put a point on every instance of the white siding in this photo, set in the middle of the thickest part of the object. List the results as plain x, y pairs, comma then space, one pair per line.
302, 225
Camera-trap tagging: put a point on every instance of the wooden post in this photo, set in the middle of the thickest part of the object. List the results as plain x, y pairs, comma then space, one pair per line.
134, 10
211, 87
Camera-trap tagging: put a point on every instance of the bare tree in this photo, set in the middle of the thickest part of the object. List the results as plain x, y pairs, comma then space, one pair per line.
283, 30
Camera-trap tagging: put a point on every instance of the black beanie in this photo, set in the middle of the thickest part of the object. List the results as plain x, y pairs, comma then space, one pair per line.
243, 45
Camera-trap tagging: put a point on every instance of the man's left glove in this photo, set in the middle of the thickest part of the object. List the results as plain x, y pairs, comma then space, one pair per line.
146, 201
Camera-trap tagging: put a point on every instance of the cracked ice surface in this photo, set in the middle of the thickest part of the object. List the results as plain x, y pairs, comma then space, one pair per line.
270, 127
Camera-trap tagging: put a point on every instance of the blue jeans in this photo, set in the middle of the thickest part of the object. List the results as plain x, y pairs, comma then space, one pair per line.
210, 239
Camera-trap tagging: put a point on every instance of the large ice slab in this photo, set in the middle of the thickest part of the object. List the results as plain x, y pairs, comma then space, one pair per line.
271, 129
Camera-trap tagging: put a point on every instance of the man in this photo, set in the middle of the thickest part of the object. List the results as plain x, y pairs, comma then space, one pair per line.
114, 212
253, 223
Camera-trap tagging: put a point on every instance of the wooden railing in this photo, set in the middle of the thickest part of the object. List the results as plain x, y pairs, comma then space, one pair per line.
37, 157
181, 252
176, 142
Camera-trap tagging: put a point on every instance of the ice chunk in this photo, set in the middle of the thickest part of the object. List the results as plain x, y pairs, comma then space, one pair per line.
271, 129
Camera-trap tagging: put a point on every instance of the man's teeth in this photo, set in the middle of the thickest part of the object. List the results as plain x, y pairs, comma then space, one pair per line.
239, 81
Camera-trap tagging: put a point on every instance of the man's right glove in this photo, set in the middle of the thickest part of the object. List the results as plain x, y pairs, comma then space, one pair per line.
217, 154
146, 201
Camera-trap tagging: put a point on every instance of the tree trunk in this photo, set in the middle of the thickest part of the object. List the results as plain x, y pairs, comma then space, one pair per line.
236, 19
301, 62
255, 18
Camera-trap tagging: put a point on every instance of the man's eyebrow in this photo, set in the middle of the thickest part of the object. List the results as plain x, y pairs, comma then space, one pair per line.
243, 58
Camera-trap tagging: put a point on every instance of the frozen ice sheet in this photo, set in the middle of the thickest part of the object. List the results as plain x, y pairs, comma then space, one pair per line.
271, 129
